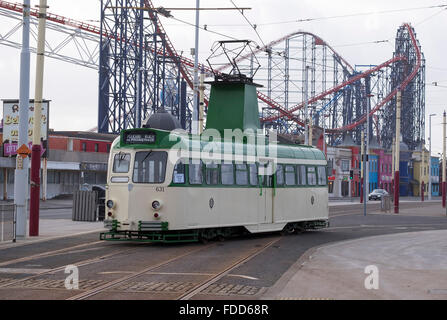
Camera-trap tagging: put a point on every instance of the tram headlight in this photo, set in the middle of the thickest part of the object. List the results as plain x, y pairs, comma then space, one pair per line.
110, 204
156, 205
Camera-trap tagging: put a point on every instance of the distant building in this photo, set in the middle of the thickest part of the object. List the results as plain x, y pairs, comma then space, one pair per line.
434, 167
339, 166
76, 158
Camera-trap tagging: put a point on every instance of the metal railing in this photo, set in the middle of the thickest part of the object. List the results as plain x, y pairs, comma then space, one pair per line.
6, 222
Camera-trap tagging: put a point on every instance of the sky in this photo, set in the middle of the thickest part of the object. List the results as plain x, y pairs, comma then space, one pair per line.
73, 89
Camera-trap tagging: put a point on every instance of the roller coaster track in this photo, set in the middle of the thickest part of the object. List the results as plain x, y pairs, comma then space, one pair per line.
187, 64
289, 113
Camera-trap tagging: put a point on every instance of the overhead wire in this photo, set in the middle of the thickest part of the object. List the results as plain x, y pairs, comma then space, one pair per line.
248, 21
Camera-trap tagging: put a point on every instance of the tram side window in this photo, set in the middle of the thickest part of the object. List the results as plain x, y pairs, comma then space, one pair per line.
195, 173
227, 174
241, 175
253, 174
290, 175
322, 176
179, 172
121, 163
212, 173
301, 172
150, 167
280, 175
311, 176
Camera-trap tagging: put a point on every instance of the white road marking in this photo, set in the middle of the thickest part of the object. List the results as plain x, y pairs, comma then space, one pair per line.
23, 270
242, 276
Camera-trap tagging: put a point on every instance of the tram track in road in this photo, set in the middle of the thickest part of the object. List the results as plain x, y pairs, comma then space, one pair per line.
211, 277
49, 253
62, 268
216, 277
114, 283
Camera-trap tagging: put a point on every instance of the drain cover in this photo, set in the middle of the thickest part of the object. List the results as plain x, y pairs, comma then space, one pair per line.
230, 289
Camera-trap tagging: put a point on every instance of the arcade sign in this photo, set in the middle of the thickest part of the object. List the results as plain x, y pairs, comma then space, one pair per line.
11, 126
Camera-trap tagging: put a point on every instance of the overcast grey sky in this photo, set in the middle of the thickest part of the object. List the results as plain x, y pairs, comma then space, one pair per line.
73, 89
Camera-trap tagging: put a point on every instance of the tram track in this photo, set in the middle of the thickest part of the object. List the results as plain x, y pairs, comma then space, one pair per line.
114, 283
196, 289
61, 268
216, 277
49, 253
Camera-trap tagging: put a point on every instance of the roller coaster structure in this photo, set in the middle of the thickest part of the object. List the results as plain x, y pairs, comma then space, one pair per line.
140, 72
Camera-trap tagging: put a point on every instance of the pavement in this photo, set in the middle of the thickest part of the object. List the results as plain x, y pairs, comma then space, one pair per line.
408, 265
55, 222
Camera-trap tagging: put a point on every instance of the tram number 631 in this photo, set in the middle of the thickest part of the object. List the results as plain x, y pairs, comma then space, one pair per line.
160, 189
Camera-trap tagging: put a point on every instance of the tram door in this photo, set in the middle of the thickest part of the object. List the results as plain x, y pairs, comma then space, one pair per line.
265, 203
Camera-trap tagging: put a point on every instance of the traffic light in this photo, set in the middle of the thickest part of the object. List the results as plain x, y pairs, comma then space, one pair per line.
351, 174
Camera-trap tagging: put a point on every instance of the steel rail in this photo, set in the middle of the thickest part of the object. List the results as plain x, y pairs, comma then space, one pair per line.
57, 269
116, 282
214, 278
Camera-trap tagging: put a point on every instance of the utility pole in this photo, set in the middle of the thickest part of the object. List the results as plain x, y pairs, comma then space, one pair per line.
393, 159
22, 163
306, 111
397, 152
443, 159
195, 112
429, 161
422, 172
310, 130
35, 160
368, 133
362, 160
365, 172
201, 100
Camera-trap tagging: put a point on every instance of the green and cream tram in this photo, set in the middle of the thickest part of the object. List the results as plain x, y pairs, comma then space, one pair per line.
163, 187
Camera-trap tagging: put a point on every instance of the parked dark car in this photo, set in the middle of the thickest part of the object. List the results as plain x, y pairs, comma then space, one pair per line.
377, 194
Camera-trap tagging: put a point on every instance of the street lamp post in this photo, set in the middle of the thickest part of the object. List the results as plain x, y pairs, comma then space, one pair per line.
429, 158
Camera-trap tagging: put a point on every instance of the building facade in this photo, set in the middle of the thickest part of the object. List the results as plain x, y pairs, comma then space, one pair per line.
76, 159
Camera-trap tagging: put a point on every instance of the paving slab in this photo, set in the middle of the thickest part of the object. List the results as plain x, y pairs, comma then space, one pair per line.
409, 265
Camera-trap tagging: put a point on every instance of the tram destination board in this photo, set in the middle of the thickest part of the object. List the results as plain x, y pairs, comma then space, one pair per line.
139, 137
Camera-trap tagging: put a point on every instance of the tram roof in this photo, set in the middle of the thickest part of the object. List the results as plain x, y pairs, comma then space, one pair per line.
182, 140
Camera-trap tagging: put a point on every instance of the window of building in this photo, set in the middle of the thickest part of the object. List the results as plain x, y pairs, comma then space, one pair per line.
108, 147
179, 174
50, 177
227, 173
70, 144
96, 147
84, 146
150, 167
290, 175
345, 165
311, 176
241, 175
212, 173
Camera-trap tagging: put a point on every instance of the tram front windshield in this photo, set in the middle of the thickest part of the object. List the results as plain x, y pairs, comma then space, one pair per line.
150, 167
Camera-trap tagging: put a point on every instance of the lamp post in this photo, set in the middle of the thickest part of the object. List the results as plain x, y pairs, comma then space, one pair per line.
306, 111
429, 157
35, 158
22, 164
443, 158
